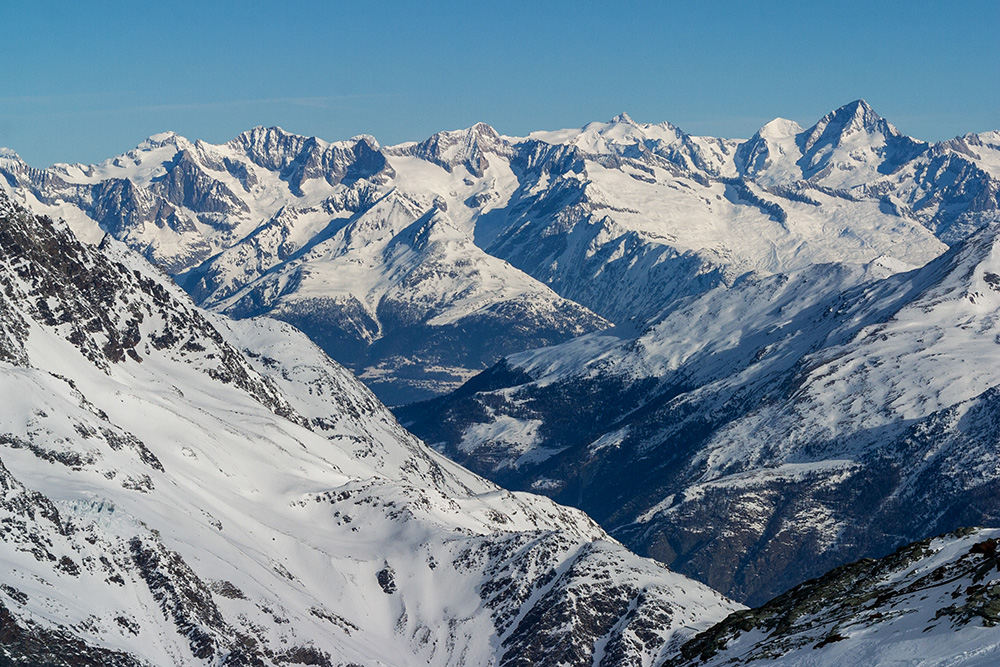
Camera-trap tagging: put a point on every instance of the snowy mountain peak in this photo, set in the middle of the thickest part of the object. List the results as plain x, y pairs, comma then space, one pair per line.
622, 118
859, 114
479, 132
779, 128
771, 152
982, 148
261, 133
861, 111
160, 138
152, 143
458, 148
852, 118
368, 139
270, 145
9, 154
623, 137
484, 130
849, 146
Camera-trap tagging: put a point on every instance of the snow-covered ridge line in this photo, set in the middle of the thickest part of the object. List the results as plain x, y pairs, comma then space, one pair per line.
607, 223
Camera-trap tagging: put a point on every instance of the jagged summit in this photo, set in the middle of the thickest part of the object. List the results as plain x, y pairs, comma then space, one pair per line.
262, 131
590, 214
852, 118
622, 118
849, 147
263, 144
452, 149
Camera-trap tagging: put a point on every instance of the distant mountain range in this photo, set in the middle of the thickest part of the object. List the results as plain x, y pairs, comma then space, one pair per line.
421, 264
751, 360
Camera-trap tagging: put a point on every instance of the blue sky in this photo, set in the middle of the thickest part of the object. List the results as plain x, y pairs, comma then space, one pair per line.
85, 81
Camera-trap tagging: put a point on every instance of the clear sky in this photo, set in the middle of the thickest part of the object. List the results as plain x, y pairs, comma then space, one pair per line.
83, 81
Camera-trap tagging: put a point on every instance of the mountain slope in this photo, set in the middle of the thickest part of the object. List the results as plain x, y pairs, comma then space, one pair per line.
182, 489
848, 147
760, 434
405, 296
934, 602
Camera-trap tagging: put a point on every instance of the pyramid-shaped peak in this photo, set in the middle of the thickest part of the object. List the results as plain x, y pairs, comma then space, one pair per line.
850, 119
861, 109
622, 118
859, 106
484, 131
856, 115
483, 127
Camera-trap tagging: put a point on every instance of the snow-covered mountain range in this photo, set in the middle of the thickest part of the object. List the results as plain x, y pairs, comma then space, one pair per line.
179, 488
752, 360
421, 264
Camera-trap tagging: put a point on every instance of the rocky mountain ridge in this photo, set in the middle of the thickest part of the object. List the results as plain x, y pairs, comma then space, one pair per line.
571, 229
932, 602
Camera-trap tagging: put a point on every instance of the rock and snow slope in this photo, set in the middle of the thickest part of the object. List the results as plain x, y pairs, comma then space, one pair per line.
395, 259
728, 269
935, 602
177, 488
